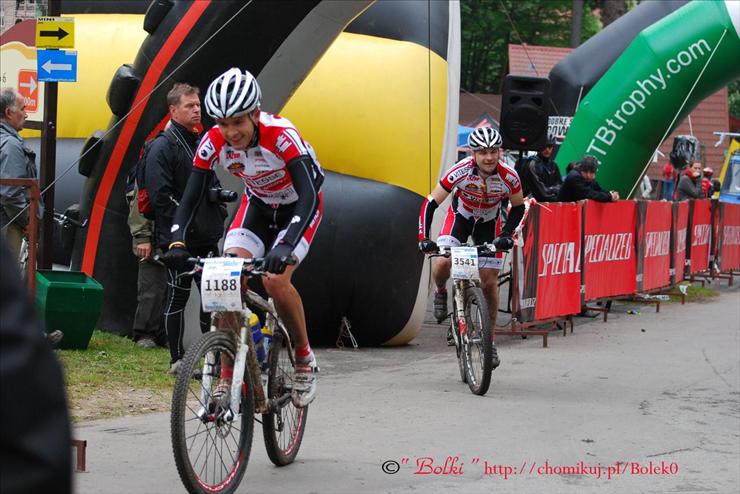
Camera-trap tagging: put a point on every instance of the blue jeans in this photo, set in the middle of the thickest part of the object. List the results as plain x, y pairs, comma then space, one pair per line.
668, 186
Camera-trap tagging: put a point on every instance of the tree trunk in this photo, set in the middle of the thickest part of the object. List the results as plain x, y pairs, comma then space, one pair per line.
576, 24
612, 10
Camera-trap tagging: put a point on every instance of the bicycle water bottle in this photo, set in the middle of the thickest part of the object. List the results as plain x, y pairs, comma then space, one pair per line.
254, 323
266, 340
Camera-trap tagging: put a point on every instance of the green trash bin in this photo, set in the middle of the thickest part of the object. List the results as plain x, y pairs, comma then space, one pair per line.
71, 302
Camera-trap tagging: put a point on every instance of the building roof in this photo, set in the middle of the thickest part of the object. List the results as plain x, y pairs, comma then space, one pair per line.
474, 106
534, 60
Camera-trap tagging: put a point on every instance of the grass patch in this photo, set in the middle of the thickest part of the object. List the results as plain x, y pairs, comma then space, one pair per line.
695, 293
114, 377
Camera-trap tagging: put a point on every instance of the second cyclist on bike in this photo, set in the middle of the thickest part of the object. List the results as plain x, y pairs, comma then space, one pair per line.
280, 210
479, 183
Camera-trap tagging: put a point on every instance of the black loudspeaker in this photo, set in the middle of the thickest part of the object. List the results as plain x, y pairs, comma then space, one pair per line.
524, 115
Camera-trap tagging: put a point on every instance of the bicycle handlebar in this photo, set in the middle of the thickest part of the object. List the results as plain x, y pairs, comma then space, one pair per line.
484, 250
63, 219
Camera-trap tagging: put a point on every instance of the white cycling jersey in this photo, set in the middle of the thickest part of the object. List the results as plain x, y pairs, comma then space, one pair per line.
262, 168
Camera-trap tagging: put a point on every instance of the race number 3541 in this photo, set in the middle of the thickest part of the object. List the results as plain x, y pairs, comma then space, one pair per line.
465, 263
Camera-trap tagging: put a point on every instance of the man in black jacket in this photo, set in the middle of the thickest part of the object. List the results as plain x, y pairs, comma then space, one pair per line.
581, 184
169, 162
542, 176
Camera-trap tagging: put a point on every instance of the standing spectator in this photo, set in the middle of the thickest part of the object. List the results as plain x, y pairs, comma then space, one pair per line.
581, 184
709, 185
16, 161
169, 162
542, 176
689, 185
668, 180
148, 329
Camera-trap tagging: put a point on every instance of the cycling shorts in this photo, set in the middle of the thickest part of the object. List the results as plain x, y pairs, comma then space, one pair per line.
457, 228
257, 225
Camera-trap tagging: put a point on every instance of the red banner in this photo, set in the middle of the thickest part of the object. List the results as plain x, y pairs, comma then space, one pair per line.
728, 247
679, 229
609, 267
550, 274
701, 235
654, 220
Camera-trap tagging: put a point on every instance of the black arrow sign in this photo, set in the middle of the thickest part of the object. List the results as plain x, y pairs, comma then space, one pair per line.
59, 33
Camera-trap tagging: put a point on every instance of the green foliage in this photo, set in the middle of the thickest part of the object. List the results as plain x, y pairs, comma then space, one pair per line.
488, 26
733, 96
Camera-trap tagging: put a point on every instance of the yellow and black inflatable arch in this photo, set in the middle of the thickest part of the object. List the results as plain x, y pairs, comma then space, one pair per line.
378, 102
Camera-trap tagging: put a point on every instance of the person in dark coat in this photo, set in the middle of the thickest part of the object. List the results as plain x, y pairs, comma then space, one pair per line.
35, 443
581, 184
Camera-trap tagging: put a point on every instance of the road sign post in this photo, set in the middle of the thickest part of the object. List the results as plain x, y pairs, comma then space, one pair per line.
46, 70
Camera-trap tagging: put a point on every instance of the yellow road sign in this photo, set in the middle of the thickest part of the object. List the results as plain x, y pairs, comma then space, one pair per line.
55, 32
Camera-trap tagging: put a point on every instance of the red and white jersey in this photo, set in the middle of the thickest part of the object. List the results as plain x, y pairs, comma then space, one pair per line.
476, 197
262, 168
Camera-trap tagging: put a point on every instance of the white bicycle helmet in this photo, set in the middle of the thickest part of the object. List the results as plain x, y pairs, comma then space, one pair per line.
232, 93
483, 138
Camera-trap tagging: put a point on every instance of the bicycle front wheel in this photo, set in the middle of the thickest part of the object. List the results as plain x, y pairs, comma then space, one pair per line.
477, 348
284, 427
211, 443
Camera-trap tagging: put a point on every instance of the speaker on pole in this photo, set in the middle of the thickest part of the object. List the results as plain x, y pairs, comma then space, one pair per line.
524, 115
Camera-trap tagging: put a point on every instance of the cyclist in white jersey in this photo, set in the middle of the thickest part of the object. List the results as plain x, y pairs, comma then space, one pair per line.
280, 209
478, 183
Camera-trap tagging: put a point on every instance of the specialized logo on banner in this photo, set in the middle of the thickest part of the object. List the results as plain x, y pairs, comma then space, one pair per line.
679, 229
701, 234
609, 267
653, 244
728, 246
551, 261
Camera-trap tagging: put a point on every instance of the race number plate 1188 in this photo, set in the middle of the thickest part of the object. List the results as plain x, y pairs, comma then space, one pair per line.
220, 285
465, 263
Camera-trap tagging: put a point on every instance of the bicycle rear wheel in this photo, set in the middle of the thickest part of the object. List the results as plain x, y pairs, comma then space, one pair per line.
478, 346
283, 429
211, 448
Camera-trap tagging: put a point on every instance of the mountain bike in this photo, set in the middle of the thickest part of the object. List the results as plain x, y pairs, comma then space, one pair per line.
470, 324
212, 437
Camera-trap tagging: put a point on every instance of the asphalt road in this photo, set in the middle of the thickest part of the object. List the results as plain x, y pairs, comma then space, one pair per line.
643, 403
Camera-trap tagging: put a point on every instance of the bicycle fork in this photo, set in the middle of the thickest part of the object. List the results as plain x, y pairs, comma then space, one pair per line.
462, 324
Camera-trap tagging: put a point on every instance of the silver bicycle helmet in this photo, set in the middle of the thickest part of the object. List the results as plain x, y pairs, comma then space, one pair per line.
483, 138
234, 92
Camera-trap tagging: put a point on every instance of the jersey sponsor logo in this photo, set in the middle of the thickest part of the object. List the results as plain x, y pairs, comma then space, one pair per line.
512, 180
457, 174
267, 179
282, 143
206, 150
233, 155
236, 167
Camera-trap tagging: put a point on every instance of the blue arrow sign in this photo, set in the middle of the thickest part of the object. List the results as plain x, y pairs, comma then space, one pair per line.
56, 65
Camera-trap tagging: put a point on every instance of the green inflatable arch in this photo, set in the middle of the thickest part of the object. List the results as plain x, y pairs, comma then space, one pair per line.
665, 72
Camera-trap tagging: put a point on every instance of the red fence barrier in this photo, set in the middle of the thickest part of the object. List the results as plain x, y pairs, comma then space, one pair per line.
585, 251
653, 245
609, 267
679, 230
728, 244
698, 249
551, 262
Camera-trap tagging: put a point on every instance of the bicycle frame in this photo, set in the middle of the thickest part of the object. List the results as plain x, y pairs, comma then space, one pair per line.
246, 357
